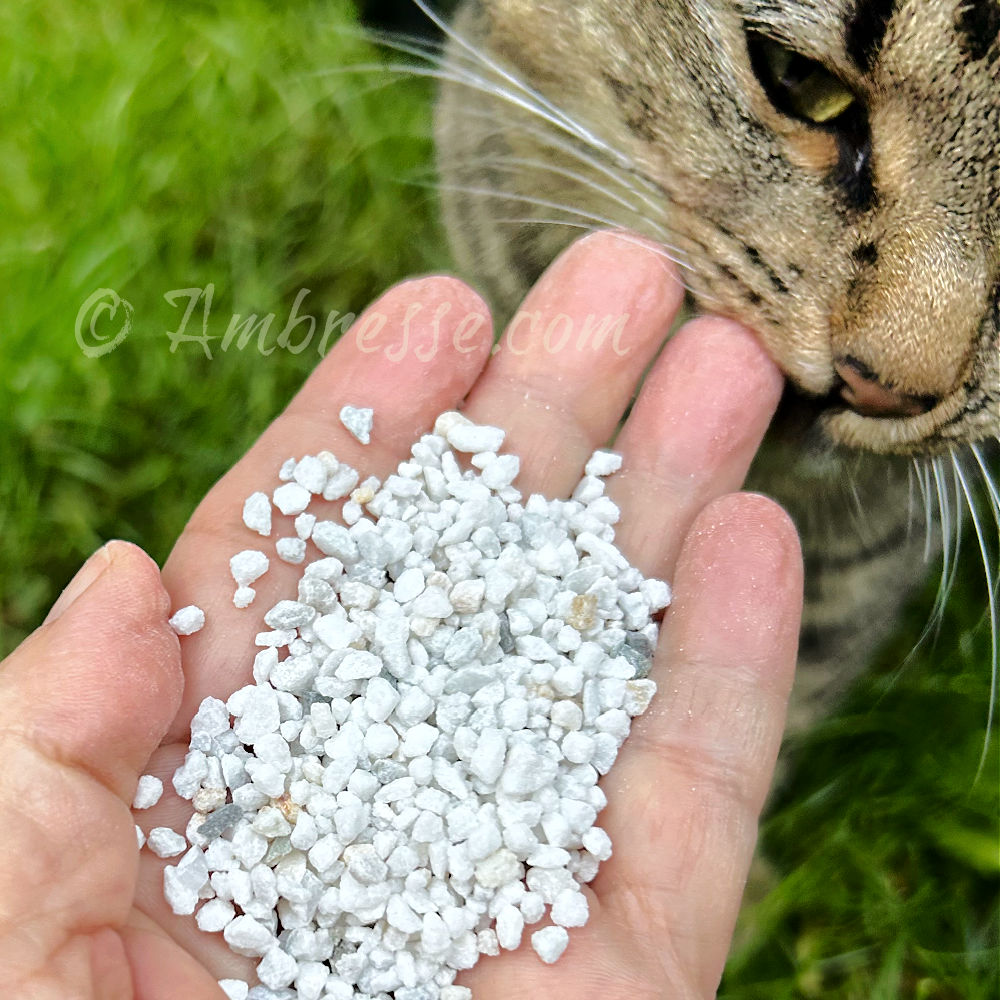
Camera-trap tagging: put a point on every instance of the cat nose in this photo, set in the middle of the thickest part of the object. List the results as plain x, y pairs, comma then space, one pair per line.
866, 394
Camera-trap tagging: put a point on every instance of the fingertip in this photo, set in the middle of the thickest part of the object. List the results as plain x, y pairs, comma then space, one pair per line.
433, 289
753, 523
134, 568
612, 269
423, 322
737, 356
739, 583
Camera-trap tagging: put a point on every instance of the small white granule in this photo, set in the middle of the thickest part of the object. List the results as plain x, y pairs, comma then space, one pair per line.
257, 513
140, 837
247, 566
147, 792
235, 989
277, 968
247, 936
358, 420
603, 463
291, 498
187, 620
310, 473
291, 550
243, 597
165, 843
215, 915
570, 908
598, 843
475, 437
304, 525
549, 943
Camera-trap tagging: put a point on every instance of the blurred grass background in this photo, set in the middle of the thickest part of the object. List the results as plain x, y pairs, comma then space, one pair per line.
146, 148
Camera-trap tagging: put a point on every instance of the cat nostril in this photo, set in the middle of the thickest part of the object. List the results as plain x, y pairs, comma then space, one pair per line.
865, 394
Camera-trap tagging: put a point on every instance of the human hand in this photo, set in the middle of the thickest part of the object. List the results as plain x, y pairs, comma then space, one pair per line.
103, 691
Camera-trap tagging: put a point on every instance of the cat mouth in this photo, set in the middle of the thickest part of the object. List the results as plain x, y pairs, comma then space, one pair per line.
841, 418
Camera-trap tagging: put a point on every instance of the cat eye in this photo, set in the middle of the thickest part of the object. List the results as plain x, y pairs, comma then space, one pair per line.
797, 86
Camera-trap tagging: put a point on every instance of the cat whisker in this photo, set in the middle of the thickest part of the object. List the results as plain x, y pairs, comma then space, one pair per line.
628, 190
658, 249
648, 193
993, 500
469, 60
921, 474
485, 86
949, 553
856, 506
513, 163
991, 585
992, 491
599, 221
404, 43
533, 101
655, 229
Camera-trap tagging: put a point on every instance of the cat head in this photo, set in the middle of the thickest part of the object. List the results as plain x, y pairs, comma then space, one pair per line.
827, 172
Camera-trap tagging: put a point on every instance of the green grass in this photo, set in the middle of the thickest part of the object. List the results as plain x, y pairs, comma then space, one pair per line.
147, 148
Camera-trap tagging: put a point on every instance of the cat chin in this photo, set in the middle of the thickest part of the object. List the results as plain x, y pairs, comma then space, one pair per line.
913, 435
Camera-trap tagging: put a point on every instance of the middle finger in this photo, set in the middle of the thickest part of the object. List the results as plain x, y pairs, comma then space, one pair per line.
568, 363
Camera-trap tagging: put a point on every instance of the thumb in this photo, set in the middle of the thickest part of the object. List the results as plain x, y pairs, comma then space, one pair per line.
97, 685
85, 700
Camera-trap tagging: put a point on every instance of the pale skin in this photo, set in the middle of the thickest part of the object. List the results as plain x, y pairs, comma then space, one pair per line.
104, 691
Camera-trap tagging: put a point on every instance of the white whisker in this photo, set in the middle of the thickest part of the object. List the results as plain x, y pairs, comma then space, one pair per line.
949, 554
923, 481
660, 249
649, 194
405, 44
540, 103
601, 221
991, 585
512, 163
991, 487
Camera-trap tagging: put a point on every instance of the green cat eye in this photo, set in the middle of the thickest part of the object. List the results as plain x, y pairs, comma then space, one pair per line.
797, 86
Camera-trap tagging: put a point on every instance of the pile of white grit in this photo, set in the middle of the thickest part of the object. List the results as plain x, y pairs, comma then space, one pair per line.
412, 777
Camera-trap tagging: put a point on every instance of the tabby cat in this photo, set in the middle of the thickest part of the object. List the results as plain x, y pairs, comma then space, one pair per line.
827, 172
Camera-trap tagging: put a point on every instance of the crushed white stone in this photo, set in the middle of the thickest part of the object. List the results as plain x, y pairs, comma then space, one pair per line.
412, 778
358, 420
549, 943
248, 565
235, 989
291, 550
257, 513
165, 843
147, 792
291, 498
187, 620
243, 597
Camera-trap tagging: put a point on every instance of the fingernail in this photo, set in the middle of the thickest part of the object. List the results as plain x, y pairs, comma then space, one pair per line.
88, 573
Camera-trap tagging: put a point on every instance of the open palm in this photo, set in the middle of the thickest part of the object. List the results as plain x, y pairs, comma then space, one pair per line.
104, 692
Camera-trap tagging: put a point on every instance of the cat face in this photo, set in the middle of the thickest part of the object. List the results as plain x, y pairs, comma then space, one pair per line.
826, 171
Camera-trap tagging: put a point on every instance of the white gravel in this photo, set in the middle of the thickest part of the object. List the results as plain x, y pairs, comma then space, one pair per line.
147, 792
412, 777
187, 620
358, 420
